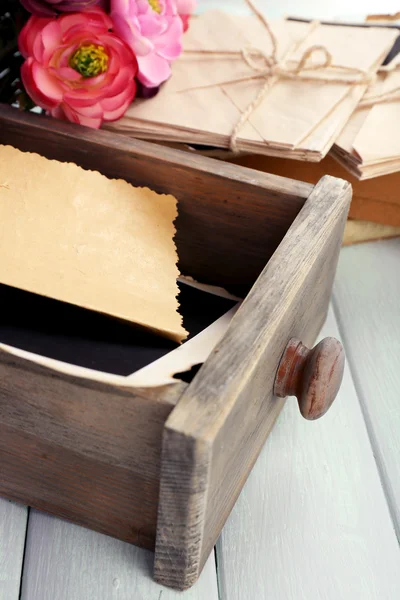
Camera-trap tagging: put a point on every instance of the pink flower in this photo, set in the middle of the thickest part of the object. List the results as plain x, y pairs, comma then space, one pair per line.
185, 9
49, 8
76, 69
153, 29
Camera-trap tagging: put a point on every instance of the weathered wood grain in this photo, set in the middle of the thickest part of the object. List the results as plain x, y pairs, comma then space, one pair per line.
312, 522
367, 301
230, 219
82, 449
13, 520
206, 459
67, 562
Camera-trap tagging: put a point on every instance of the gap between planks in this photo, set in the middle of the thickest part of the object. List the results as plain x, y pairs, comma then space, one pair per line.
13, 527
367, 304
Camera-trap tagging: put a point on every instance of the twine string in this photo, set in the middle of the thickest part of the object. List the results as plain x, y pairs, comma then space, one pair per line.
392, 95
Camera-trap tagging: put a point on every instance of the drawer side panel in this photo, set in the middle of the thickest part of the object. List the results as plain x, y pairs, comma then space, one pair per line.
83, 450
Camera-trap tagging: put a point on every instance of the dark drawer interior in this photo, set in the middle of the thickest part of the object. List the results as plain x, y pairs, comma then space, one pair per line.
85, 338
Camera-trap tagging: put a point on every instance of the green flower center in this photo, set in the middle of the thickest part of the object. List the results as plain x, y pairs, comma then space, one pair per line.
89, 60
155, 5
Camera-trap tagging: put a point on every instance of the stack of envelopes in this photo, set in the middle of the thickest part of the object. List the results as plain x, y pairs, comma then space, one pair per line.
213, 86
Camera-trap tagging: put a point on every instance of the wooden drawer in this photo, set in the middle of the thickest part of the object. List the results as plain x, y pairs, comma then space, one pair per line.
163, 467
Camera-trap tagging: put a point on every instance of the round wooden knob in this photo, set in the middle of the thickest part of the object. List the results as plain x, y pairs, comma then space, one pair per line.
313, 376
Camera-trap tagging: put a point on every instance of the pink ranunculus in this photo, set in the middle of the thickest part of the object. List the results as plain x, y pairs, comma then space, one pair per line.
185, 9
153, 29
76, 69
50, 8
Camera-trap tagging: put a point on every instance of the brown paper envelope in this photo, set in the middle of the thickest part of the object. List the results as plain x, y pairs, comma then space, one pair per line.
81, 238
325, 133
345, 140
332, 126
379, 138
293, 109
350, 146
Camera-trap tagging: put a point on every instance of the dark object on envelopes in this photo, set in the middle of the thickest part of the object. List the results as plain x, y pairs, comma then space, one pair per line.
396, 46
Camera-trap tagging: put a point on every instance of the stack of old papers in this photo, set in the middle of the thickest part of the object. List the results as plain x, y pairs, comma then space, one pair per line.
369, 145
214, 90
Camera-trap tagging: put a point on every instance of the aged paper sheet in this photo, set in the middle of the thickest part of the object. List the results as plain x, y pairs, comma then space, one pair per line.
81, 238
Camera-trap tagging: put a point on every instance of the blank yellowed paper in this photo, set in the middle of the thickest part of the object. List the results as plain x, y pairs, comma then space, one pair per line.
81, 238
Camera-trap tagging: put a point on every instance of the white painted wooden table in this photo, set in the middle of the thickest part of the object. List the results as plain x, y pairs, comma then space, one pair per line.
317, 518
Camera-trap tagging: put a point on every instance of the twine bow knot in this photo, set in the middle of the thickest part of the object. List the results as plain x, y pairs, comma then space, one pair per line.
270, 68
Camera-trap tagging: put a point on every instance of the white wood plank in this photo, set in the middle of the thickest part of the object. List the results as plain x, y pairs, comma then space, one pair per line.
367, 304
13, 520
312, 522
67, 562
